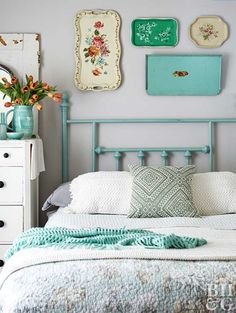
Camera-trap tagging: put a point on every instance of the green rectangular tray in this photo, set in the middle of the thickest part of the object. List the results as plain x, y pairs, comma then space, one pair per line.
183, 75
155, 32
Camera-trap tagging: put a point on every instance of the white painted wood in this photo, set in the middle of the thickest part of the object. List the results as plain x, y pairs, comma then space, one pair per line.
21, 54
3, 250
12, 191
11, 156
12, 216
19, 198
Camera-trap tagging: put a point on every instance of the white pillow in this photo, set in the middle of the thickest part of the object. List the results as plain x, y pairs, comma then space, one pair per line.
214, 193
110, 193
101, 192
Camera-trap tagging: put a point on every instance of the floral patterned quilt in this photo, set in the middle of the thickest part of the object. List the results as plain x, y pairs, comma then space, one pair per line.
128, 285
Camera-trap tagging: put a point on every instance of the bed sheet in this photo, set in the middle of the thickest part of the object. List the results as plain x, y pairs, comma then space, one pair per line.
61, 219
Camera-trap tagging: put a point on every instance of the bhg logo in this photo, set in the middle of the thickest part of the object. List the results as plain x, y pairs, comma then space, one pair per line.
221, 298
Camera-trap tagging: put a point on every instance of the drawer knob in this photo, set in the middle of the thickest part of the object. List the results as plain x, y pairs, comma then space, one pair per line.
1, 184
6, 155
1, 263
1, 223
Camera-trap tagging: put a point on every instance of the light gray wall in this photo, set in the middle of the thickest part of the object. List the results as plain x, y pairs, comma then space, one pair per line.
54, 20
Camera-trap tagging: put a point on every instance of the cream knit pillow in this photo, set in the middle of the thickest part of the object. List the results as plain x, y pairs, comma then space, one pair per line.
101, 193
214, 193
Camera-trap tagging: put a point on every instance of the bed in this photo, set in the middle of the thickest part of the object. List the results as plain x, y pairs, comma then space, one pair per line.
132, 279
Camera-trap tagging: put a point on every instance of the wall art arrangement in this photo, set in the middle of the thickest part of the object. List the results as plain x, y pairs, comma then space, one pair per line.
155, 32
209, 31
183, 75
97, 50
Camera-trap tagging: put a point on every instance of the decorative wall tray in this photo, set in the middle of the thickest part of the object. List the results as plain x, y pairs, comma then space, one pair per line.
155, 32
209, 31
97, 50
183, 75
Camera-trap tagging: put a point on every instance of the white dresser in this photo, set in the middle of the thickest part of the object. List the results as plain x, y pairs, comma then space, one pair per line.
18, 192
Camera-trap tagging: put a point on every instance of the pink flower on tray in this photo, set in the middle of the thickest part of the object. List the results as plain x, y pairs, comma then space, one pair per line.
104, 50
98, 24
98, 41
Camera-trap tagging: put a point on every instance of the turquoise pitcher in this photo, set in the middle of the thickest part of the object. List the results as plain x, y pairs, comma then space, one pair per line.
22, 120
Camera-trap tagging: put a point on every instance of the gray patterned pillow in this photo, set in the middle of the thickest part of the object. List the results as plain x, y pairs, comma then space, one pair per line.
162, 191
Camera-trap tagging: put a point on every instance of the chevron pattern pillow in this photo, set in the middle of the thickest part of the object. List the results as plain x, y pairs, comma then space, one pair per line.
162, 191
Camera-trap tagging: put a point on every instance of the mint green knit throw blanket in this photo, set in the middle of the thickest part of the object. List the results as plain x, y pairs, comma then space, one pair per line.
100, 238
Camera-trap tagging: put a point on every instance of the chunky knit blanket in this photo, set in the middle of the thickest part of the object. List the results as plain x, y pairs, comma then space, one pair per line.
100, 238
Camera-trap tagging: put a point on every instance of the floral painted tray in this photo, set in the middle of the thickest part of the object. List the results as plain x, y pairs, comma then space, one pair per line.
155, 32
209, 31
97, 50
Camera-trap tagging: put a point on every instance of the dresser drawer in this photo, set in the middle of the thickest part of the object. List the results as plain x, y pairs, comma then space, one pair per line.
11, 185
11, 218
11, 156
3, 250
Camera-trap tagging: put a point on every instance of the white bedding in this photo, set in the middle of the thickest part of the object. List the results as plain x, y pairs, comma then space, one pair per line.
221, 246
61, 219
219, 231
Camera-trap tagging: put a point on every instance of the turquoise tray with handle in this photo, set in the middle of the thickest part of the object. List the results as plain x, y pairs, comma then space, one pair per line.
183, 75
155, 32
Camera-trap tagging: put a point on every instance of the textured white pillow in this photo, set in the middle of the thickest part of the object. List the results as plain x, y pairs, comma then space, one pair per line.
214, 193
101, 192
110, 193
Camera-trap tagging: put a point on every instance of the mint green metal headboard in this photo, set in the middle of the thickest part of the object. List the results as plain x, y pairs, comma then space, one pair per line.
117, 152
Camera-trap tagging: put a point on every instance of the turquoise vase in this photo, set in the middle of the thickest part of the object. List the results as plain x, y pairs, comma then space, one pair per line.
23, 120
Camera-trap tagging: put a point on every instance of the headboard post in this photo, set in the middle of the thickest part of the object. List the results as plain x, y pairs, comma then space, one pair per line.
211, 140
94, 146
64, 136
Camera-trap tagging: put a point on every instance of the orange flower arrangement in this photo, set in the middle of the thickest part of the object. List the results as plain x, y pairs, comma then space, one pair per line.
28, 93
